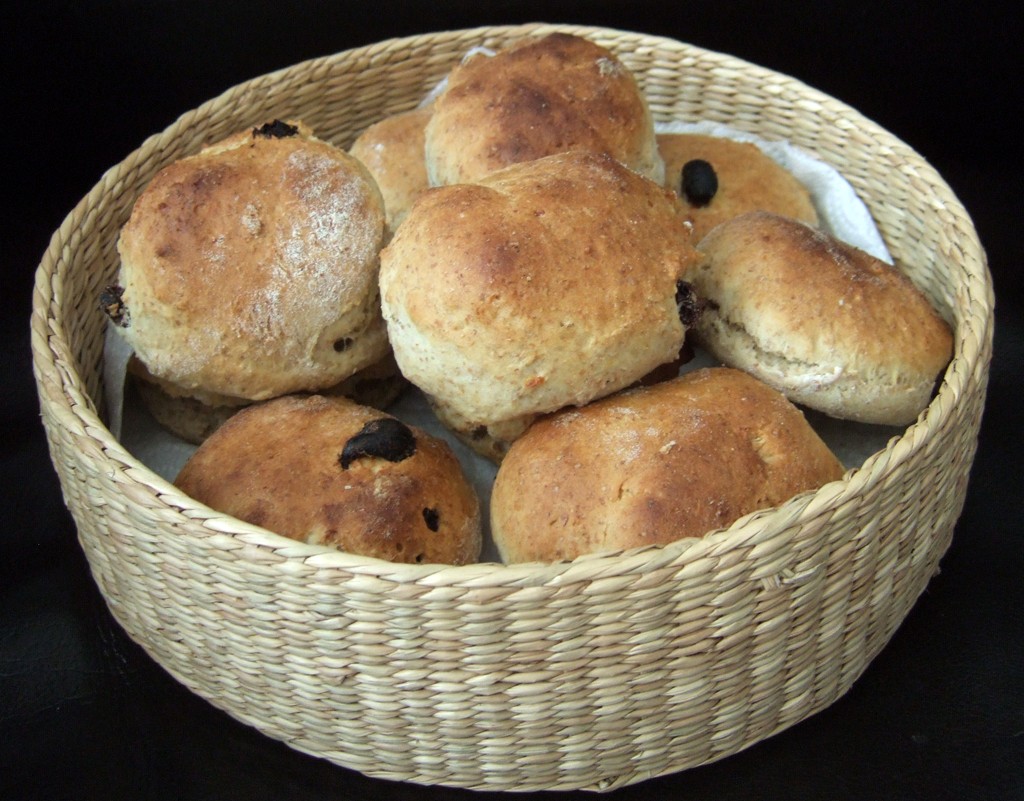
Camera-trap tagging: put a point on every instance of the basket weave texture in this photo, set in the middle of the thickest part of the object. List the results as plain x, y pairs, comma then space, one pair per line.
591, 674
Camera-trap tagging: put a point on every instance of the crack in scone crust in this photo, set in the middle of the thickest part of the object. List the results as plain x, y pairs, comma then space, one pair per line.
752, 355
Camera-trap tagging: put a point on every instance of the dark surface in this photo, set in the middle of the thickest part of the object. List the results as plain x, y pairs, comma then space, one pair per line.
85, 714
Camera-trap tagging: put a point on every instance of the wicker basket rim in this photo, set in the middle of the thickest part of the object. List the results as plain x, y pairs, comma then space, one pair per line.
50, 362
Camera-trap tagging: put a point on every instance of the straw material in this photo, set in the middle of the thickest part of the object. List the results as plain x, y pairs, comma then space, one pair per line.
591, 674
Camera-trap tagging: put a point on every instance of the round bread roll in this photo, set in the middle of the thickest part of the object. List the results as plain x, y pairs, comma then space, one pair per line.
549, 283
328, 471
653, 465
249, 269
735, 177
536, 98
392, 150
832, 327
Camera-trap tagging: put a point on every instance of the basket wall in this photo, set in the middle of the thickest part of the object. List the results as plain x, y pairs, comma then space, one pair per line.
592, 674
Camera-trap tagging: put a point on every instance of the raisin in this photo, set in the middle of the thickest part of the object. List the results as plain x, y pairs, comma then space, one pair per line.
342, 345
385, 438
699, 182
113, 306
432, 518
689, 305
275, 130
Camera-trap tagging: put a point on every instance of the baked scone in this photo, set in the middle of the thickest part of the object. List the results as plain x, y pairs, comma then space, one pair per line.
392, 150
249, 269
549, 283
539, 97
832, 327
653, 465
331, 472
719, 178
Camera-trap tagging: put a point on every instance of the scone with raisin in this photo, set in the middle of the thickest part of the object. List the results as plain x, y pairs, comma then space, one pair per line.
719, 178
831, 326
547, 284
249, 269
331, 472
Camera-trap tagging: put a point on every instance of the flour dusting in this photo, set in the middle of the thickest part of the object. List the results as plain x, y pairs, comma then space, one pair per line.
322, 253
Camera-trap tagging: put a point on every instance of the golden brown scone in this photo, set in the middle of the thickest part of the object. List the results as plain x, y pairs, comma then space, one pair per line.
745, 179
653, 465
250, 268
549, 283
328, 471
392, 150
832, 327
536, 98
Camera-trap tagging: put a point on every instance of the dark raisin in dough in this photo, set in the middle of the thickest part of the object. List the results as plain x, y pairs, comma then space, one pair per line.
699, 182
385, 438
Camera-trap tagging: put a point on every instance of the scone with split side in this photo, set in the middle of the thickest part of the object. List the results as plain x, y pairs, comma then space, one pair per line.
653, 465
331, 472
832, 327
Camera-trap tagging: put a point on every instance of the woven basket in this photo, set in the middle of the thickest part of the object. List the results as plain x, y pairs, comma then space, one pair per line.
592, 674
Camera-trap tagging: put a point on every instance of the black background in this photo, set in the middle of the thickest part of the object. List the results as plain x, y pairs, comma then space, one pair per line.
85, 714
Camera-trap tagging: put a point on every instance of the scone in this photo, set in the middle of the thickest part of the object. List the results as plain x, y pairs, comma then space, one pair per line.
832, 327
549, 283
331, 472
653, 465
392, 150
719, 178
536, 98
249, 270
